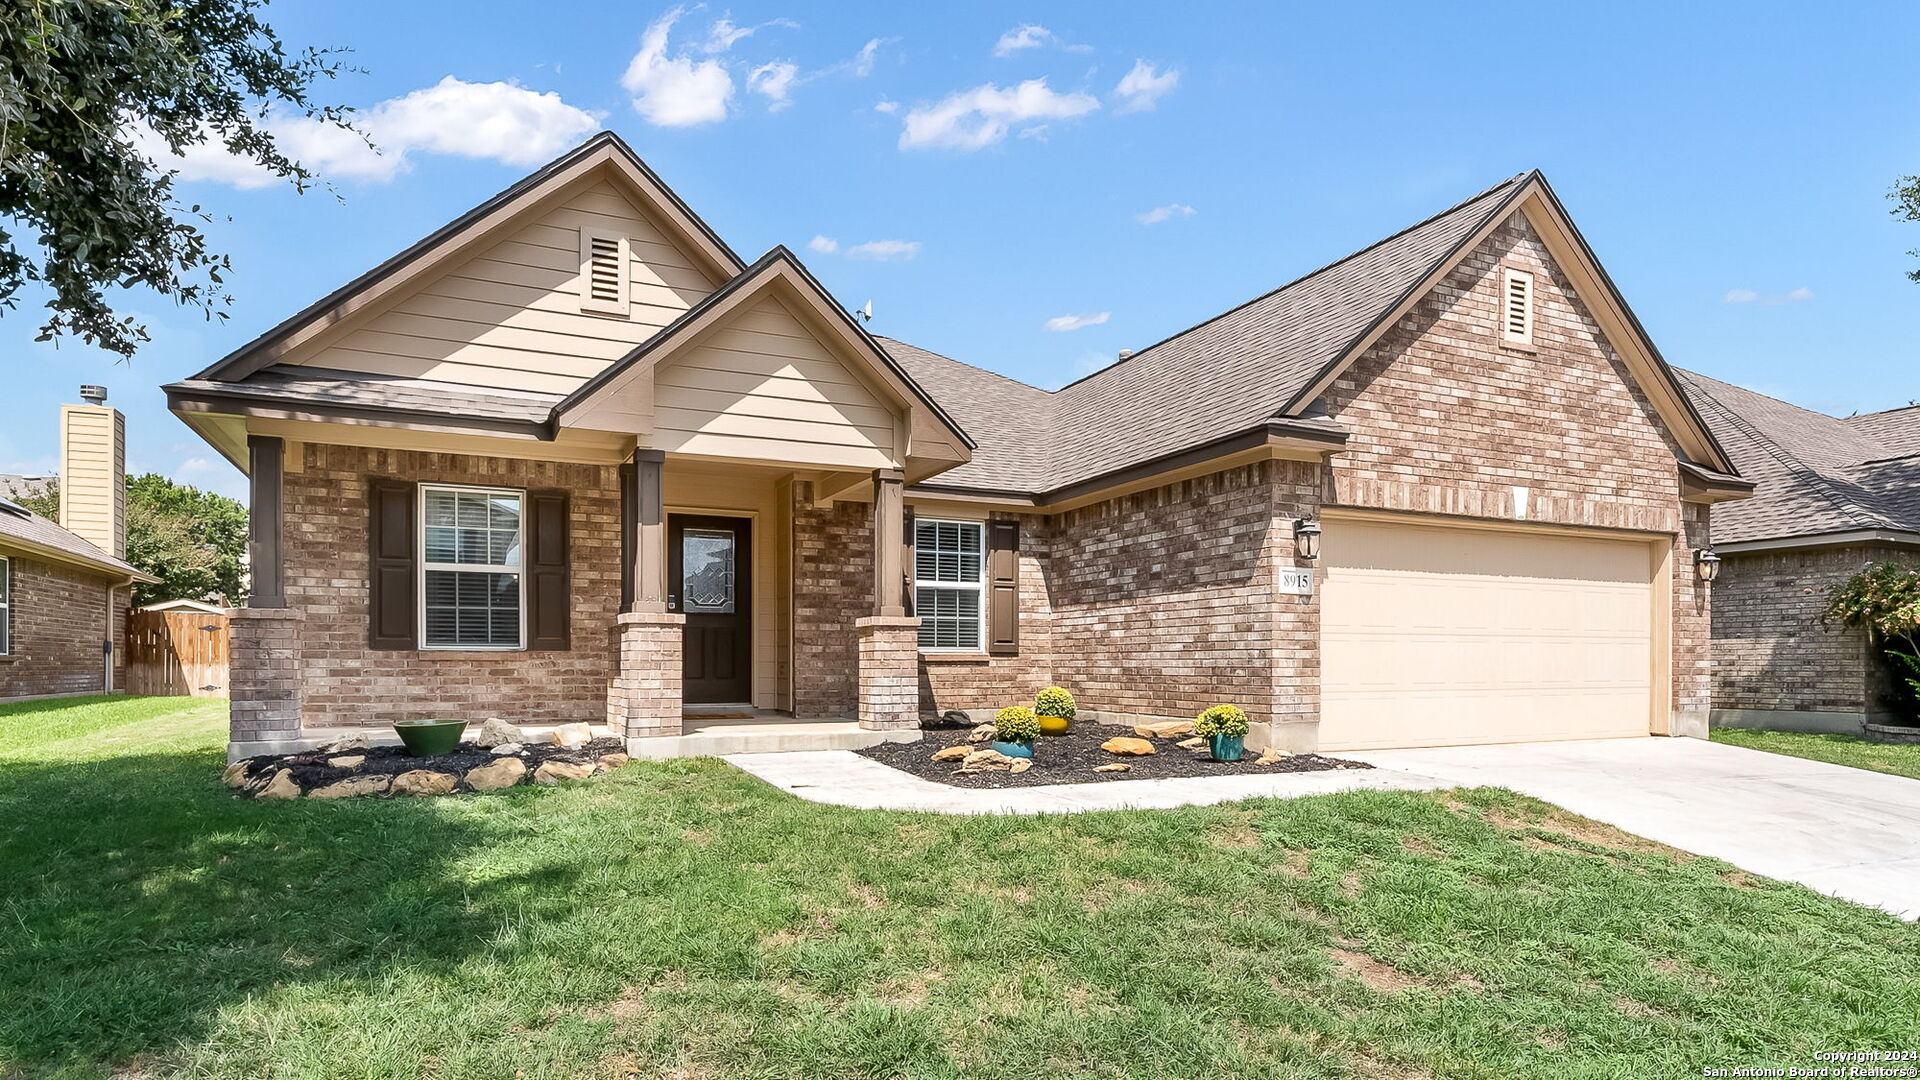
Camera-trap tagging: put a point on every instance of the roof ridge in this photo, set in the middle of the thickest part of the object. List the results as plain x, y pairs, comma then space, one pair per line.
1827, 488
1348, 257
955, 360
1880, 412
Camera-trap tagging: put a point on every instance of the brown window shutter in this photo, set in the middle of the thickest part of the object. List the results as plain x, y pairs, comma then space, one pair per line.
391, 622
1003, 587
906, 558
549, 599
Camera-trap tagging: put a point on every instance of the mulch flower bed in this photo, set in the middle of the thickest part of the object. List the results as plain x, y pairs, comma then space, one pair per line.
1073, 757
390, 770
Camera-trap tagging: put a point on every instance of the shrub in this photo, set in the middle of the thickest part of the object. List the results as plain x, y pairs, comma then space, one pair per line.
1055, 701
1885, 599
1225, 720
1016, 724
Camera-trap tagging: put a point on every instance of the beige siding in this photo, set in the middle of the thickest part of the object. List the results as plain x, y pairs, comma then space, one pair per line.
764, 387
93, 492
510, 317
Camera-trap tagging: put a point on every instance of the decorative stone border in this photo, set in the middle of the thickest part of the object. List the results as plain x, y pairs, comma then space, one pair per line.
347, 771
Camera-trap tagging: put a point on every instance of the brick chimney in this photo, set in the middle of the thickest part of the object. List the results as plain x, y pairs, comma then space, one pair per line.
93, 472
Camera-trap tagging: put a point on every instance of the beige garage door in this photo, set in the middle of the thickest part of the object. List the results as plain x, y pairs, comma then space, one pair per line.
1434, 636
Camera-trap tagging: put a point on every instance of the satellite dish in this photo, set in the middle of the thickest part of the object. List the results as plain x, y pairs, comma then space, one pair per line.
866, 313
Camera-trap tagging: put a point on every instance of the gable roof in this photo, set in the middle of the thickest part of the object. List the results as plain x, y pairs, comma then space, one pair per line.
1817, 475
1896, 430
21, 530
604, 150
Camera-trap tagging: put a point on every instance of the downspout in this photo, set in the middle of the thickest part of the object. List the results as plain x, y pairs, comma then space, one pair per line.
106, 645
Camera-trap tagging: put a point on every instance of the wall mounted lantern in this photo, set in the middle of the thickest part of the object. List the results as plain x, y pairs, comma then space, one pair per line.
1306, 539
1706, 564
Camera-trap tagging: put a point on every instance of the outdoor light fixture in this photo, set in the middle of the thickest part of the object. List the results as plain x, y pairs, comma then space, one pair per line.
1306, 539
1706, 564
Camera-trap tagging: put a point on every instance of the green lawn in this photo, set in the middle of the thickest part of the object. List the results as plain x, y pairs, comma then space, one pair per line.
684, 920
1900, 759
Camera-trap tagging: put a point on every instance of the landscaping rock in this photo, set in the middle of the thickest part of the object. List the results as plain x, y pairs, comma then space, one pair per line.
423, 782
953, 753
1131, 747
280, 787
503, 773
610, 762
351, 786
986, 759
236, 775
554, 772
1021, 765
1165, 729
1195, 743
1272, 756
496, 732
347, 761
508, 748
572, 736
1118, 766
345, 743
981, 733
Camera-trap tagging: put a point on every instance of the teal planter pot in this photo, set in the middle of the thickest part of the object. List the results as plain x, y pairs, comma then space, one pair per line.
1014, 749
428, 738
1227, 747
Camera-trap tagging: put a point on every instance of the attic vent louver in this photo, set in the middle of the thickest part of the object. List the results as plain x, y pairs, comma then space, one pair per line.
1516, 299
603, 272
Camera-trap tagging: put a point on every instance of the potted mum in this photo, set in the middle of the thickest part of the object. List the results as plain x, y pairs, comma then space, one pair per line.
1014, 730
1225, 729
1055, 709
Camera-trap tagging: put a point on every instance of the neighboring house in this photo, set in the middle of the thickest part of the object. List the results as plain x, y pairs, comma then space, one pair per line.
64, 588
571, 458
1834, 497
16, 487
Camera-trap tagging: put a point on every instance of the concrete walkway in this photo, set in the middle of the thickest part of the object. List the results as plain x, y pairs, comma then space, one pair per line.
1842, 831
844, 778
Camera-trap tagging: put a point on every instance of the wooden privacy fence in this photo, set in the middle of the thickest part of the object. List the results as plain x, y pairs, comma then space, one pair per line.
176, 652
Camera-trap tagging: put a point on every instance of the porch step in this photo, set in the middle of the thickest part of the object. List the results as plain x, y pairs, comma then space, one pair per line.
712, 738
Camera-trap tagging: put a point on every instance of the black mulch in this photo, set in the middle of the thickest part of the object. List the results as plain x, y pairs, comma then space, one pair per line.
1070, 759
310, 769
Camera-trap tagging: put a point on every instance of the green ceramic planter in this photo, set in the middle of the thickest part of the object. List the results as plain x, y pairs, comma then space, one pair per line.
1227, 747
427, 738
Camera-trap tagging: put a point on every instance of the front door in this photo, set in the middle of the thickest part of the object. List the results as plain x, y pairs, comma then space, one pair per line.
709, 573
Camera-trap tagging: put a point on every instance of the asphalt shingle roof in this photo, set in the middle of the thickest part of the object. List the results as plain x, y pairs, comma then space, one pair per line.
355, 389
19, 524
1896, 430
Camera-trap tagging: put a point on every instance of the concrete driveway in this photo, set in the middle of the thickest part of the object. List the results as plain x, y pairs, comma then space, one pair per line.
1845, 832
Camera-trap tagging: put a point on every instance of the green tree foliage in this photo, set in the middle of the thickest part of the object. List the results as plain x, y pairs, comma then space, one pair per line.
194, 541
1906, 207
1885, 599
87, 89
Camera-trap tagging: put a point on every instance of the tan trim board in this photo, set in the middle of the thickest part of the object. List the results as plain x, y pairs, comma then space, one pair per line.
1892, 537
1543, 528
587, 448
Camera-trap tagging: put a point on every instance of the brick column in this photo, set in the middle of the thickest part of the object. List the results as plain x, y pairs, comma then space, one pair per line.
263, 680
645, 696
889, 672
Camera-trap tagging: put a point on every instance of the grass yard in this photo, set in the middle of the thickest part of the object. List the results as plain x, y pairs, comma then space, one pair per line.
684, 920
1900, 759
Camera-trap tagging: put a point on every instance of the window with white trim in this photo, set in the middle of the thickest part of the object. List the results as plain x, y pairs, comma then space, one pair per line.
949, 593
472, 589
6, 606
603, 272
1516, 306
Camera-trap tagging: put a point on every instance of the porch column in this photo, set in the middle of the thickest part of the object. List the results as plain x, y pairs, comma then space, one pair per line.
263, 683
644, 696
889, 639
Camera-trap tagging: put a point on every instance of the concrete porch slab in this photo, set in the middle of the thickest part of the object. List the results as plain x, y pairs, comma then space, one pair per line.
702, 737
842, 778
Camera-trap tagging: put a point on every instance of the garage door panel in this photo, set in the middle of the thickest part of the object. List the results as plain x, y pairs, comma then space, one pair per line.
1438, 636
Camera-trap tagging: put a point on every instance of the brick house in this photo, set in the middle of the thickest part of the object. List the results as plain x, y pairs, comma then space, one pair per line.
1834, 497
64, 588
571, 458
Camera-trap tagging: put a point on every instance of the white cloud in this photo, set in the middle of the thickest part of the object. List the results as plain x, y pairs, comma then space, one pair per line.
675, 91
1748, 296
977, 118
1143, 87
497, 121
723, 34
1028, 36
1060, 324
885, 106
1163, 213
825, 245
861, 65
774, 80
885, 250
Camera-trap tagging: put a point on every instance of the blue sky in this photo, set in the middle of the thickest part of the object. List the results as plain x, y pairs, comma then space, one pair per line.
987, 174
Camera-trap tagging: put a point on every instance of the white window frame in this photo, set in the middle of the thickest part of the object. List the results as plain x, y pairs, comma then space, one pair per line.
1508, 276
420, 578
623, 252
6, 606
978, 586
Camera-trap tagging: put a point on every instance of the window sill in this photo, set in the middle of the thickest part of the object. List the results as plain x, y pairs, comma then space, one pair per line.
468, 655
954, 657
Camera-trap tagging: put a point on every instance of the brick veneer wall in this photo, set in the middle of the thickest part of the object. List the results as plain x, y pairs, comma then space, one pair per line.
1770, 652
832, 587
59, 617
348, 684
